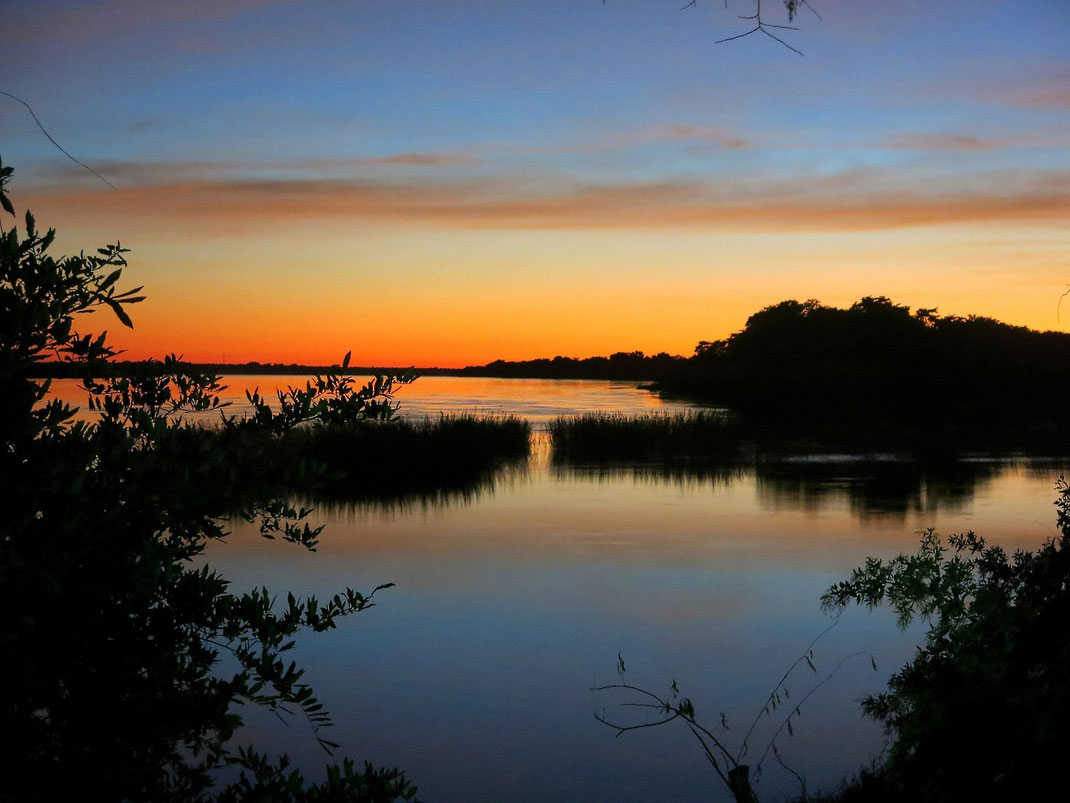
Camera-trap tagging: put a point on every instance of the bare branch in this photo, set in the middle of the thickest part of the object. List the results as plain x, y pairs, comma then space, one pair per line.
771, 36
621, 729
738, 36
762, 26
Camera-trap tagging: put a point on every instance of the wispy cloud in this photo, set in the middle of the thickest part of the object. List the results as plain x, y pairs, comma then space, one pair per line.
942, 142
706, 134
422, 160
1047, 89
842, 202
1050, 97
221, 172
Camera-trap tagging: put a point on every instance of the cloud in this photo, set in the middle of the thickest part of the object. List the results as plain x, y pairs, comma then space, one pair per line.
844, 202
423, 160
1051, 91
162, 172
942, 142
706, 134
1052, 97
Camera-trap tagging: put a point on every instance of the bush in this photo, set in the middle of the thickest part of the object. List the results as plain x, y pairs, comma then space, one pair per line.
113, 638
983, 710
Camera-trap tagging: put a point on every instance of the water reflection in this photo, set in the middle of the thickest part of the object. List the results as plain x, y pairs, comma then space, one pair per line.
474, 672
421, 493
685, 475
537, 400
872, 489
867, 488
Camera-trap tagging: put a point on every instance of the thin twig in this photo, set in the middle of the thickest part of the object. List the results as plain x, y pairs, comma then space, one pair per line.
777, 38
53, 141
761, 26
661, 705
622, 729
780, 683
798, 777
806, 697
709, 754
738, 36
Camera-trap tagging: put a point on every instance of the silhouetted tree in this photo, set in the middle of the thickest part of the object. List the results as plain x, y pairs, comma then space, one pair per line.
874, 372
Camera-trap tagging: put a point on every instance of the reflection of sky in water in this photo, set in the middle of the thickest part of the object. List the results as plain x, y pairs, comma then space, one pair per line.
474, 673
537, 400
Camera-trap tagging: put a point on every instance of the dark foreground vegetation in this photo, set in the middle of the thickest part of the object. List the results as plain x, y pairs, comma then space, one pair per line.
983, 710
125, 661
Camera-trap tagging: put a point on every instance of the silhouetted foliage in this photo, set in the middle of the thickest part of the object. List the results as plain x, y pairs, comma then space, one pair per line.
983, 710
877, 376
114, 638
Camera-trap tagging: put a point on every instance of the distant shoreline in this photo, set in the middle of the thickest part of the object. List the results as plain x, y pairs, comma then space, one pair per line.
559, 368
57, 370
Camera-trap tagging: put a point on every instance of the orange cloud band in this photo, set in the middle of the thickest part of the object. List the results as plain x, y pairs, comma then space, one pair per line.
830, 204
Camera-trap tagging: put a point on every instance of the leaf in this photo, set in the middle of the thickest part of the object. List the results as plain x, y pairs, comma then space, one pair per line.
120, 313
345, 360
110, 279
6, 203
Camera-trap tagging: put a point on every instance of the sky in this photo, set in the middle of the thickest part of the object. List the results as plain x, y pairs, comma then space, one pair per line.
448, 182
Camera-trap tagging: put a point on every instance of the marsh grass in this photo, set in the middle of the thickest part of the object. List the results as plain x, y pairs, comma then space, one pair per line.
399, 461
695, 436
423, 458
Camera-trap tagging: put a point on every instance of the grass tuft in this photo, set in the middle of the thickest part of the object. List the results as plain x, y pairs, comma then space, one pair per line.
703, 435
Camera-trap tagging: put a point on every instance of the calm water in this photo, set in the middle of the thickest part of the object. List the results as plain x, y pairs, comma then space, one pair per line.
474, 673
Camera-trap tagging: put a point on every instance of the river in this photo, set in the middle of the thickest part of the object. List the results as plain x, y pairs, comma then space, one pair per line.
474, 673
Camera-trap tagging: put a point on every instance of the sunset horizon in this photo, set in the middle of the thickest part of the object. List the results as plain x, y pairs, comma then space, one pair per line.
426, 185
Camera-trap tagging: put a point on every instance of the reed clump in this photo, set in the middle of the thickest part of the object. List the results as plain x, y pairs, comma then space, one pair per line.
694, 436
399, 457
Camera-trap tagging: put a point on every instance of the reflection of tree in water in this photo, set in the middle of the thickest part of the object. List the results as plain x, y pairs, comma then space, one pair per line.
874, 489
870, 488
